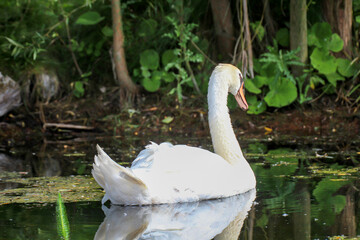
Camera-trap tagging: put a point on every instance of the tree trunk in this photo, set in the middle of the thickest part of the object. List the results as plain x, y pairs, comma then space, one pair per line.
339, 14
224, 29
128, 89
270, 24
298, 32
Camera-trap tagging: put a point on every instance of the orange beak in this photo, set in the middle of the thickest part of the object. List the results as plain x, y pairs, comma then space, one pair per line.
240, 98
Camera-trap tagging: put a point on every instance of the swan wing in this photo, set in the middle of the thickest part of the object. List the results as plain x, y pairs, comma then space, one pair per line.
180, 173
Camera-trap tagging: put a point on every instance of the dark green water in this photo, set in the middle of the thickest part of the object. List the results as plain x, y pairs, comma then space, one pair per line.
307, 188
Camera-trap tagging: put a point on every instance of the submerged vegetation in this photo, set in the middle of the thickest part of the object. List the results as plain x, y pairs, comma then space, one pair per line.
62, 220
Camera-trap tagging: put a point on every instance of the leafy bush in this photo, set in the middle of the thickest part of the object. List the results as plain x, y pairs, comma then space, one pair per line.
274, 80
324, 65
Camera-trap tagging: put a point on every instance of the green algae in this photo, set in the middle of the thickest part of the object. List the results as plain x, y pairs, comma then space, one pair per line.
46, 189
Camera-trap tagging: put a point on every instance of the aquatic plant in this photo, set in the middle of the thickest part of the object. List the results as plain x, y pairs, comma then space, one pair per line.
62, 219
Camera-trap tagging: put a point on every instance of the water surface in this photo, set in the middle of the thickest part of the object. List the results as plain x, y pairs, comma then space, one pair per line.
307, 188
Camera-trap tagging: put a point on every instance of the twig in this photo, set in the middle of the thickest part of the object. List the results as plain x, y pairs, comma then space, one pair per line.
202, 53
67, 126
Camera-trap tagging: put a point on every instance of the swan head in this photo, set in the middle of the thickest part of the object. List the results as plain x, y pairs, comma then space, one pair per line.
235, 80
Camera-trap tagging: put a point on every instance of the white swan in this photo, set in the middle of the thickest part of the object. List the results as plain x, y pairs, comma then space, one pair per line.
169, 173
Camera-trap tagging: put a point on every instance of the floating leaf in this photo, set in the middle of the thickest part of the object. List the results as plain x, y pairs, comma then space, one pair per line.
149, 59
89, 18
281, 94
282, 36
323, 61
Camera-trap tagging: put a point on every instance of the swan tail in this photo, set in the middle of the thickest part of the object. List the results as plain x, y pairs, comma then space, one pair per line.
120, 183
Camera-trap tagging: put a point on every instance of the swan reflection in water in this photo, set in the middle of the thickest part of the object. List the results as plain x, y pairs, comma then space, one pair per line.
218, 218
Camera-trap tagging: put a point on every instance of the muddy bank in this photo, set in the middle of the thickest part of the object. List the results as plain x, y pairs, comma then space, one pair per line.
69, 119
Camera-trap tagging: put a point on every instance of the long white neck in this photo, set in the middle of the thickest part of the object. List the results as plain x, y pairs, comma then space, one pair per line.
222, 134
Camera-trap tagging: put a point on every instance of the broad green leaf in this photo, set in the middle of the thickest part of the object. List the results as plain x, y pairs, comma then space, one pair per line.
345, 67
168, 57
336, 44
152, 84
268, 69
145, 72
149, 59
282, 36
255, 106
250, 86
79, 90
258, 29
319, 34
357, 19
89, 18
147, 28
260, 81
281, 94
333, 77
323, 61
168, 77
107, 31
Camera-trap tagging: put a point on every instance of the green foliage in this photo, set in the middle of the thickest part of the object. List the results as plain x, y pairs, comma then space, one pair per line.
283, 37
149, 59
258, 29
62, 219
274, 80
89, 18
323, 62
281, 94
174, 64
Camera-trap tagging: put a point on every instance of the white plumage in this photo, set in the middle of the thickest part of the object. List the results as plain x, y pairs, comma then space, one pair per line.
169, 173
